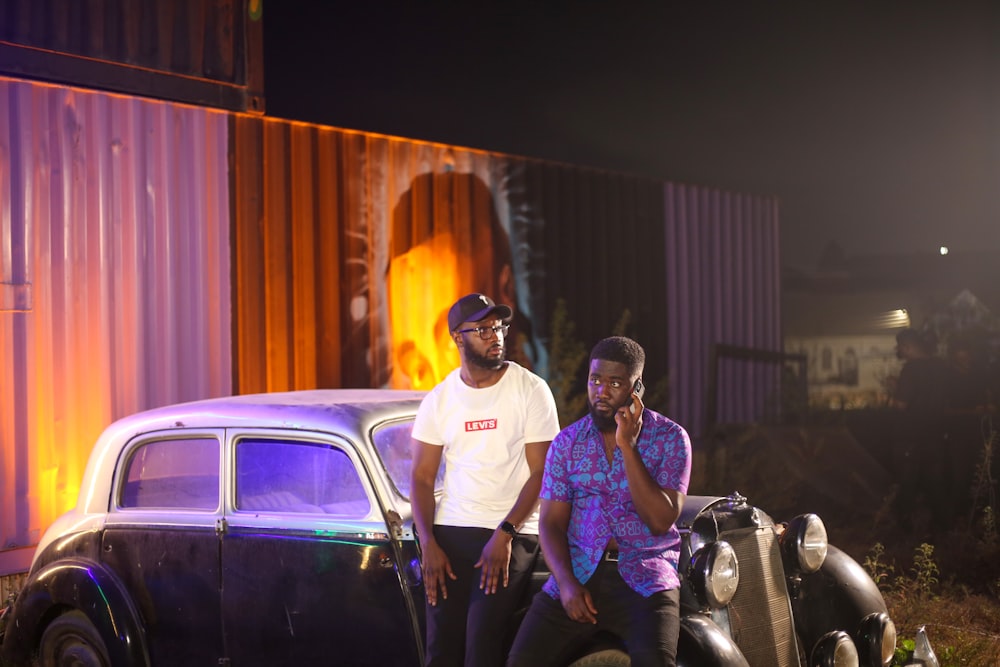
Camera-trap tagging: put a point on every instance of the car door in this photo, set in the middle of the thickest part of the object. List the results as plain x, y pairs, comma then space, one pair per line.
392, 441
309, 572
161, 541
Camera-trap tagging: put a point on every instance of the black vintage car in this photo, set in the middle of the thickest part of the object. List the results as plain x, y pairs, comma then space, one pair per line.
275, 529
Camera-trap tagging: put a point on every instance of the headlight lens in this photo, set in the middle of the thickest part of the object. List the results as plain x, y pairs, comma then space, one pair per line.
804, 543
876, 639
834, 649
714, 574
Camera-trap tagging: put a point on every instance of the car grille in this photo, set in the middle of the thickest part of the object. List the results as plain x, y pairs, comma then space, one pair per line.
760, 614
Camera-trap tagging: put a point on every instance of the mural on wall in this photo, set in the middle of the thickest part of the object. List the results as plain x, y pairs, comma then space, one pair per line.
447, 240
351, 247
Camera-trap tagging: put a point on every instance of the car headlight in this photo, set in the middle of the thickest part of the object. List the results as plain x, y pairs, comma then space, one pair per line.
804, 543
834, 649
714, 574
876, 639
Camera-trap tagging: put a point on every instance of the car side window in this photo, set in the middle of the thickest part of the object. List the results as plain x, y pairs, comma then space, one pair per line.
279, 475
173, 473
393, 441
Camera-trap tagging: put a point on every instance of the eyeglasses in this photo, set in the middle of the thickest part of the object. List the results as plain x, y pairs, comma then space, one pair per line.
487, 332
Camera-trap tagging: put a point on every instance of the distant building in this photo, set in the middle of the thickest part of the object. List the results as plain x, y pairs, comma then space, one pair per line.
844, 315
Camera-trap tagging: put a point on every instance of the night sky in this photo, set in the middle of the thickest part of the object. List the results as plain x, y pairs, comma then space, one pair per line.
876, 124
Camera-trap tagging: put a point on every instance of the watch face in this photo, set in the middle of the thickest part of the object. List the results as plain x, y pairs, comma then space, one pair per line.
508, 528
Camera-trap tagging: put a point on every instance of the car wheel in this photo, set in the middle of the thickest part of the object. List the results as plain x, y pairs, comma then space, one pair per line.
71, 640
611, 657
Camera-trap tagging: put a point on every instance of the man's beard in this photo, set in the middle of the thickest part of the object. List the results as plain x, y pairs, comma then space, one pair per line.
604, 423
483, 361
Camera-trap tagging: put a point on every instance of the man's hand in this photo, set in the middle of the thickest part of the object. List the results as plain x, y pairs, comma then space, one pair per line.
495, 561
629, 423
437, 570
577, 602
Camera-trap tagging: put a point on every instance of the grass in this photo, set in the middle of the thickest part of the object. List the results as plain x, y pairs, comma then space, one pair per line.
963, 627
944, 578
954, 601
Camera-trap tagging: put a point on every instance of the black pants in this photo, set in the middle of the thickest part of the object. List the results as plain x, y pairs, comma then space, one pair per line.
470, 627
648, 626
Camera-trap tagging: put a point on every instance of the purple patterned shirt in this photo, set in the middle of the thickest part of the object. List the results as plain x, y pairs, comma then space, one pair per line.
577, 472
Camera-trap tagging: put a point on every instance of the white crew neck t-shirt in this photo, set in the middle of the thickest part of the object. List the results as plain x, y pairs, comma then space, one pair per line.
483, 432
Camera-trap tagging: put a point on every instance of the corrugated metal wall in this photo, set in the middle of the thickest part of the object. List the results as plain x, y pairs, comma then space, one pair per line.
603, 236
347, 248
196, 51
192, 37
314, 216
316, 223
723, 287
320, 222
114, 212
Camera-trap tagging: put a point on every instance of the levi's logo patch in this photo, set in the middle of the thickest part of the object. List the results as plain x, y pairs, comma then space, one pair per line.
481, 425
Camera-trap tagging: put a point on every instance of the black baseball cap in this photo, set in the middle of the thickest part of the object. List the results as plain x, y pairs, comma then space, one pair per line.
475, 307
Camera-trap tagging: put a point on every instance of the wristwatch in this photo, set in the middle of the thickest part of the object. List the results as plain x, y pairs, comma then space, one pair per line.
508, 528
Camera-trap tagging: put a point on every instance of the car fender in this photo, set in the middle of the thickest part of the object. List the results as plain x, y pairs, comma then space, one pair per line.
702, 643
86, 586
836, 597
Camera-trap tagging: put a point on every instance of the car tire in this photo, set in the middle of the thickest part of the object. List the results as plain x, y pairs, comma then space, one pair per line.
71, 639
611, 657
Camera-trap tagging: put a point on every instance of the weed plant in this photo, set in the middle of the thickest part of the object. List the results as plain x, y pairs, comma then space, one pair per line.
963, 626
951, 589
943, 577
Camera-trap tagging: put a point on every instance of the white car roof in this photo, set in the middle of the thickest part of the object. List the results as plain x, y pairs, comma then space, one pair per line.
312, 409
348, 411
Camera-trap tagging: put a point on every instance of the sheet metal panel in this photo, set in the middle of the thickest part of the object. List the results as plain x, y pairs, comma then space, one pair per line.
682, 266
115, 217
722, 266
326, 215
197, 51
348, 248
314, 218
603, 235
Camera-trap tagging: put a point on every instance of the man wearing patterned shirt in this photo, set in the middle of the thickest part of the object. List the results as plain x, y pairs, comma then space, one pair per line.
613, 486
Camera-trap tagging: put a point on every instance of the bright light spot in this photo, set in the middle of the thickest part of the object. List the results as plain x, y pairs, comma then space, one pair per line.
893, 319
944, 250
359, 308
423, 283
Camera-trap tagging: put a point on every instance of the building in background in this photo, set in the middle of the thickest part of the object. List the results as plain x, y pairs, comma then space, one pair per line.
845, 315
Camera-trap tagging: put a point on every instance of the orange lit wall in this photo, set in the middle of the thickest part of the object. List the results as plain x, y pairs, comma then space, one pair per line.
114, 271
350, 248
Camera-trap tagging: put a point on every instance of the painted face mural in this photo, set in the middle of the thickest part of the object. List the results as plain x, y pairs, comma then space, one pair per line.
447, 240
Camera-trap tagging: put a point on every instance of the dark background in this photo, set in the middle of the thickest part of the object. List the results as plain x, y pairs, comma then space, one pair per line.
876, 124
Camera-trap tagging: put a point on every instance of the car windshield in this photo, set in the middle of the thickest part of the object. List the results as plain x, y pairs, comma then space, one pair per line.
392, 441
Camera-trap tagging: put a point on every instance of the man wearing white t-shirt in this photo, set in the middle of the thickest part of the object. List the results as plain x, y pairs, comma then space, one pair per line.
491, 421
